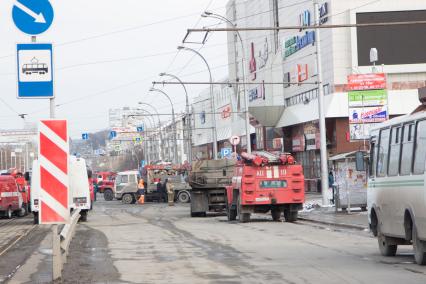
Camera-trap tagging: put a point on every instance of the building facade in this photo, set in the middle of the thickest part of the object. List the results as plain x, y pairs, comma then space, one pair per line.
285, 113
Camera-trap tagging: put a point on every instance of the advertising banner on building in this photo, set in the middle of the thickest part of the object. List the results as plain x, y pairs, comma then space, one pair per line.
367, 102
367, 98
360, 82
368, 114
360, 131
298, 143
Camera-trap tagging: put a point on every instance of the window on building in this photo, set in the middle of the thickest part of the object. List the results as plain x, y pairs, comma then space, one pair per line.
395, 150
420, 154
383, 152
407, 149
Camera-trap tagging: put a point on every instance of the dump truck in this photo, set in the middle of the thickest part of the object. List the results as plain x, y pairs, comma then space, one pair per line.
208, 180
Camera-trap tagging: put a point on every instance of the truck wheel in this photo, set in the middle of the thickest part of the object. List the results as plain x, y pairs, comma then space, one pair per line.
276, 214
184, 197
290, 216
242, 217
23, 211
108, 195
419, 248
230, 212
83, 216
9, 213
35, 221
127, 198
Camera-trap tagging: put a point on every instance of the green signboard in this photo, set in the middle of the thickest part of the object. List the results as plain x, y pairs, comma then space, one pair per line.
368, 98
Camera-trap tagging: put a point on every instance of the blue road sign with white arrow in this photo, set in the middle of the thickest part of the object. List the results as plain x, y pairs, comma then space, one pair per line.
35, 70
33, 17
112, 134
85, 136
140, 128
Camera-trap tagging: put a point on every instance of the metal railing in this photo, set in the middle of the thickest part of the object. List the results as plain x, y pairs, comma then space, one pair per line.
61, 244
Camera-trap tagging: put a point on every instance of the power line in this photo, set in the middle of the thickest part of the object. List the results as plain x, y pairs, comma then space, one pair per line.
382, 24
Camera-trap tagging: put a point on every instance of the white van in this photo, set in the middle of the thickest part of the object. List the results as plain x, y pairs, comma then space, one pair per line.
79, 190
79, 186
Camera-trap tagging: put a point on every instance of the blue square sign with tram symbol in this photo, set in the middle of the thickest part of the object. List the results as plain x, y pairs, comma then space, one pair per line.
32, 17
35, 70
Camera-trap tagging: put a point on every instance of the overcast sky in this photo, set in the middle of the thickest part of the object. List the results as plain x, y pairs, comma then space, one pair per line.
86, 33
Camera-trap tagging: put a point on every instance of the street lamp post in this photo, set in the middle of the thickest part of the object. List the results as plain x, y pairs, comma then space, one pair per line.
161, 152
208, 14
145, 141
323, 139
212, 98
188, 118
173, 122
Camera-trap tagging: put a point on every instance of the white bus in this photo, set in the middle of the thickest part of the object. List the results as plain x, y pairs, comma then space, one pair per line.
396, 185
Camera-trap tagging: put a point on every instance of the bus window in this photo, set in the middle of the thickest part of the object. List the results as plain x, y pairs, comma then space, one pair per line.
407, 149
394, 153
420, 154
372, 168
383, 152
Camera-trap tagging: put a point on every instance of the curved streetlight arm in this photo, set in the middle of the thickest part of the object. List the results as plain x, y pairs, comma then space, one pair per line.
161, 153
173, 122
188, 119
211, 95
209, 14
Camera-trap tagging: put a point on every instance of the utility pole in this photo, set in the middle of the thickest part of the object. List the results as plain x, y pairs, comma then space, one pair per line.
323, 139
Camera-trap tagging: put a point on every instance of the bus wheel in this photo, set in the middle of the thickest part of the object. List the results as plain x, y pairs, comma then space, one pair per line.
386, 249
419, 248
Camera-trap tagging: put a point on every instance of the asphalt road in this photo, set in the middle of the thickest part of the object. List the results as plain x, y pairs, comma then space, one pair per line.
154, 243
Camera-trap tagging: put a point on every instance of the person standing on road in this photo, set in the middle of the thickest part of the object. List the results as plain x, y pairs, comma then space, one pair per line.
141, 191
331, 184
170, 192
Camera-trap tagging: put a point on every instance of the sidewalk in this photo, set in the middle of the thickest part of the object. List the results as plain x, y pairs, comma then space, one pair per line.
313, 212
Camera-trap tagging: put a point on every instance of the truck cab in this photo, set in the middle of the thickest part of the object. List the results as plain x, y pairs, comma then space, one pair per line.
126, 186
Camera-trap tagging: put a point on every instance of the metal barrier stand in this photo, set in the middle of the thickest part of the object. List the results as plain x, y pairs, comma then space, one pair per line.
61, 244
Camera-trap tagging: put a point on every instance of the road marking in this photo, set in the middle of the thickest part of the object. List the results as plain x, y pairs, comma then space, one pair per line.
17, 240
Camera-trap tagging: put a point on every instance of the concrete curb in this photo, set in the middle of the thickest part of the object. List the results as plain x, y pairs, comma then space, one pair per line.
350, 226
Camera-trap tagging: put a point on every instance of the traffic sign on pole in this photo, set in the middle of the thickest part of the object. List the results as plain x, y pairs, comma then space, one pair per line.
140, 128
54, 180
35, 71
33, 17
85, 136
112, 134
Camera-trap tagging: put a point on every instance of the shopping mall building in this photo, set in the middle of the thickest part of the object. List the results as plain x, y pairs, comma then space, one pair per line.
285, 114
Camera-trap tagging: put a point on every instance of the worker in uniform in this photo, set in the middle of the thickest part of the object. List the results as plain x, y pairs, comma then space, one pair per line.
141, 191
170, 193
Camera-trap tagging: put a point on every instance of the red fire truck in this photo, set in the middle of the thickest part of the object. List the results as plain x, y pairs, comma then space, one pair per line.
264, 182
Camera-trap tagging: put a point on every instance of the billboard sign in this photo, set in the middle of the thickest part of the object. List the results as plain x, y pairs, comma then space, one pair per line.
367, 98
368, 114
361, 82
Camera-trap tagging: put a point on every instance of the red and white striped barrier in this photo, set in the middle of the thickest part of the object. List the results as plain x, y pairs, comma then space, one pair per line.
54, 180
